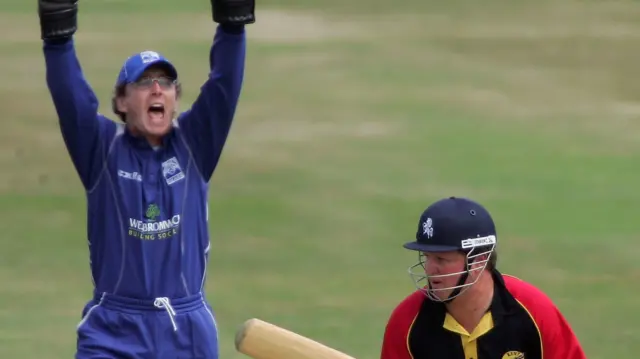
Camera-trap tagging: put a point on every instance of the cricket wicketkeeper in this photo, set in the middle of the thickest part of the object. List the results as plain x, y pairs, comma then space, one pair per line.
146, 182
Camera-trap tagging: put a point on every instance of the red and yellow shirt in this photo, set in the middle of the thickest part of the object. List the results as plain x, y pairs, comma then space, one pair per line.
521, 323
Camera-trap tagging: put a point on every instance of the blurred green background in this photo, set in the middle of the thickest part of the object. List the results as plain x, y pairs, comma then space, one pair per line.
355, 115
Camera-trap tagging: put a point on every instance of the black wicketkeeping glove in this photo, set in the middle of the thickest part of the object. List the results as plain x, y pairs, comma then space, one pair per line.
58, 18
233, 12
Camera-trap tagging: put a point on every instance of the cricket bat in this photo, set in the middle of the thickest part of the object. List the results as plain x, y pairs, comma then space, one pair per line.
261, 340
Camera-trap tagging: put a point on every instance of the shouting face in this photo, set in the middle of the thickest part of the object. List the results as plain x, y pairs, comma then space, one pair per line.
149, 103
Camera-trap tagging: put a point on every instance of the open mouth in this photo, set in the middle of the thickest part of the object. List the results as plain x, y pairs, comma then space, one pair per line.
156, 110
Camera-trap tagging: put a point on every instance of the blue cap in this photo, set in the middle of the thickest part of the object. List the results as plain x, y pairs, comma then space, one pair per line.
453, 224
138, 63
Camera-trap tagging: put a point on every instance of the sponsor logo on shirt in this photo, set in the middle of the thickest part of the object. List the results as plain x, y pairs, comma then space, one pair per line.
130, 175
152, 227
513, 355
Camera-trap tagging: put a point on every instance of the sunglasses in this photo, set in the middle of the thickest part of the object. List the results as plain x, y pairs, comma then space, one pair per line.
147, 82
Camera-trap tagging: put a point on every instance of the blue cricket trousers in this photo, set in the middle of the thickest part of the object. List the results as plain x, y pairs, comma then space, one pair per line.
114, 327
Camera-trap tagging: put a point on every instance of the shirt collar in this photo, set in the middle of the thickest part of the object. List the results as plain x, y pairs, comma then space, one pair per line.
502, 303
142, 143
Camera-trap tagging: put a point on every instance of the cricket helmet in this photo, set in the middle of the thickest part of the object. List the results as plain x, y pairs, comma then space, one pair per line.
138, 63
453, 224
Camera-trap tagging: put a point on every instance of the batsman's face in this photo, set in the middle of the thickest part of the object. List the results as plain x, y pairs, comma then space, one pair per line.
150, 103
443, 269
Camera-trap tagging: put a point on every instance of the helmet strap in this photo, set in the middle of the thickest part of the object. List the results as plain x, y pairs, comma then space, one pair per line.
463, 278
456, 291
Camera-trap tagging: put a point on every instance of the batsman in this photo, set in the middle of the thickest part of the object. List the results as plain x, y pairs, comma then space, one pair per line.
146, 180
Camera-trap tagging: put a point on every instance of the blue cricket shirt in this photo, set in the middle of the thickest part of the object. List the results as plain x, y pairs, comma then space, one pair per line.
147, 209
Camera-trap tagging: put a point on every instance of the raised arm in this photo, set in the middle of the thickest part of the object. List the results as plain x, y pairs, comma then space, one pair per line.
83, 130
206, 124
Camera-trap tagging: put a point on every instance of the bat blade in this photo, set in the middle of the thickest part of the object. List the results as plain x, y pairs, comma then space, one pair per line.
262, 340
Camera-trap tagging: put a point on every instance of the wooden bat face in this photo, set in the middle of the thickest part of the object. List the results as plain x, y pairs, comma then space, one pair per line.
262, 340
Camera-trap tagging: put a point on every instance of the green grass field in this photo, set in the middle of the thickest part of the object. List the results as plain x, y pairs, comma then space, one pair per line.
350, 123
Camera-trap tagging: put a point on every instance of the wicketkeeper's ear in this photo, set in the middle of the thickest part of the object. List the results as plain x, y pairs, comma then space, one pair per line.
121, 104
178, 91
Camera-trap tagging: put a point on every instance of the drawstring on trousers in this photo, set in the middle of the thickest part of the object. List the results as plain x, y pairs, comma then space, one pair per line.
164, 303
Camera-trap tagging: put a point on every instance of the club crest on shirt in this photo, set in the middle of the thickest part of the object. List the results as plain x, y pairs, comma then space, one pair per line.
171, 171
514, 354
